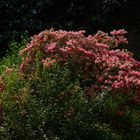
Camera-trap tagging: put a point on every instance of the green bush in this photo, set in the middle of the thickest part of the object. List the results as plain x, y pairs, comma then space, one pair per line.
51, 106
12, 57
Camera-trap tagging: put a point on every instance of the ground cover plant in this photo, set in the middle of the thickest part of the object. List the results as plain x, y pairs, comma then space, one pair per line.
69, 86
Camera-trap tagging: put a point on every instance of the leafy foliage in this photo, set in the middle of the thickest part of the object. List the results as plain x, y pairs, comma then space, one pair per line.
57, 92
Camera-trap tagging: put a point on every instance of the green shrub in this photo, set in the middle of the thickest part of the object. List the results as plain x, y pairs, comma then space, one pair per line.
50, 106
12, 57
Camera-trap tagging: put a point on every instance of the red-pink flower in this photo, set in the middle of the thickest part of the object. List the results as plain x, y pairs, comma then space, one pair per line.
51, 47
92, 56
118, 32
1, 84
101, 79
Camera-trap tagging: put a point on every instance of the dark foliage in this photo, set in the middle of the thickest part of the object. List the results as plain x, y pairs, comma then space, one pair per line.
17, 16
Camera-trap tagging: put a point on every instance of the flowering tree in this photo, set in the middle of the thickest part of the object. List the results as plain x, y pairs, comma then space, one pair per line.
93, 58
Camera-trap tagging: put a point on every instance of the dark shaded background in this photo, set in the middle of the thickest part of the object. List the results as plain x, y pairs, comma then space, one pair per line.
18, 16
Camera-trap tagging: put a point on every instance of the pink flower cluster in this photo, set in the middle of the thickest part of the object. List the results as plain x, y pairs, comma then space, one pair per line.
93, 56
1, 84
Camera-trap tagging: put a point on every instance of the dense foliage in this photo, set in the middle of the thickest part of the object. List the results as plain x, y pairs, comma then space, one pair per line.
68, 86
93, 57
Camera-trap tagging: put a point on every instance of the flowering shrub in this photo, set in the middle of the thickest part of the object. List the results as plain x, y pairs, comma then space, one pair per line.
70, 86
104, 73
94, 58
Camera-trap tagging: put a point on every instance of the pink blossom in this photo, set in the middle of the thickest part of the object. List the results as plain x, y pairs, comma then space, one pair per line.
102, 45
118, 32
51, 47
63, 50
92, 56
101, 79
48, 62
2, 86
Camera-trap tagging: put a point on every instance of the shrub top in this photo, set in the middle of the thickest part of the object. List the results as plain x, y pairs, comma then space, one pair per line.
94, 57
